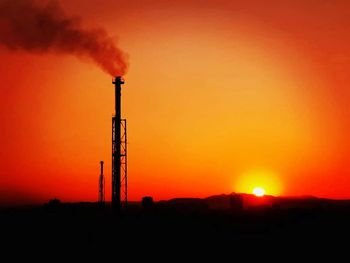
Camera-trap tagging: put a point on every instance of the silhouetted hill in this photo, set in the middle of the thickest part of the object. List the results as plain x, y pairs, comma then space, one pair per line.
249, 201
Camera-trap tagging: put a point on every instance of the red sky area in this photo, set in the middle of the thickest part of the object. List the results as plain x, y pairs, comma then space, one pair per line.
220, 97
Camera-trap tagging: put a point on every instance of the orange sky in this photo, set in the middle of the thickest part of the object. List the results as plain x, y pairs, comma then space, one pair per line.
220, 96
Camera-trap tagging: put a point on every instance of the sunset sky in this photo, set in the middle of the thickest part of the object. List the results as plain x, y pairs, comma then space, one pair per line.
220, 97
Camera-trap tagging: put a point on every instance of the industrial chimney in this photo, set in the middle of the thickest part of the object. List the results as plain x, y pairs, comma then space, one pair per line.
119, 147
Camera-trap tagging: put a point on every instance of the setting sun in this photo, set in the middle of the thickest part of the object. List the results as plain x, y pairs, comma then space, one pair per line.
258, 191
258, 181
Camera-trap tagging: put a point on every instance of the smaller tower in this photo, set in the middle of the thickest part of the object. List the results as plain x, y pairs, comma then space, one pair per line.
101, 186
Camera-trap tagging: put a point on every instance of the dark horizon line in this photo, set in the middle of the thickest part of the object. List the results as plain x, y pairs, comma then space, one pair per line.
16, 204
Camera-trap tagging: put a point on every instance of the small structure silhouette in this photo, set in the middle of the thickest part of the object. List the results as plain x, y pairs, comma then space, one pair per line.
147, 202
52, 204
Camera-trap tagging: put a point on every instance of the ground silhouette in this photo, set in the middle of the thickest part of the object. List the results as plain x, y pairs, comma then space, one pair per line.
235, 220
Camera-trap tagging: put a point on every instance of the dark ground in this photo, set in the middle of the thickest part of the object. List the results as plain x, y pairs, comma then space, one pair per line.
89, 228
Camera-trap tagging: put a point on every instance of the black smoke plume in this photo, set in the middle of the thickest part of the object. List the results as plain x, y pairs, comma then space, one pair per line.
34, 27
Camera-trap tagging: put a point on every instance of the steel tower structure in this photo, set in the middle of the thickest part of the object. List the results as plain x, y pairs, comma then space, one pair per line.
119, 152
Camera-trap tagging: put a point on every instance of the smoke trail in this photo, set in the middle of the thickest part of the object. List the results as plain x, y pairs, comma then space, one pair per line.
26, 25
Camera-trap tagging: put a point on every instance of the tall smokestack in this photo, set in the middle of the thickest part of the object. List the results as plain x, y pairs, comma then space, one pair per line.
116, 146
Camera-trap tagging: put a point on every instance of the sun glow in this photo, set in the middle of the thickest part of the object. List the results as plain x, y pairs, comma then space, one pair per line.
258, 191
258, 182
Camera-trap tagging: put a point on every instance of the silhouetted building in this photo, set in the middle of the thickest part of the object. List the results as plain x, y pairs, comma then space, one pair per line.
147, 202
52, 204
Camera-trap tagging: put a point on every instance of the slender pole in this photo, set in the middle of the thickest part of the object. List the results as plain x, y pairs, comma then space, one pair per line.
101, 185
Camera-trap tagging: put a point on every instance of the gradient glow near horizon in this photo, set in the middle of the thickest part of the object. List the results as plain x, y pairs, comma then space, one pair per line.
220, 97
